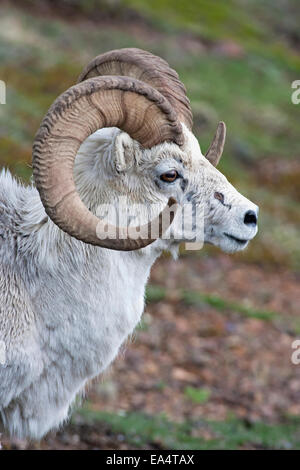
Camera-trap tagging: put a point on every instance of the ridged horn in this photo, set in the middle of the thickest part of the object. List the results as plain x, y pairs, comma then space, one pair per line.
216, 148
148, 68
110, 101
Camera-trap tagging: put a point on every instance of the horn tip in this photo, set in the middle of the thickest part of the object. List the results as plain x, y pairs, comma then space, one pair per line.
222, 125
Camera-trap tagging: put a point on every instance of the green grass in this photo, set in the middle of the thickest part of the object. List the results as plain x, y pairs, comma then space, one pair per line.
141, 430
234, 20
198, 300
236, 433
197, 395
215, 19
280, 320
253, 97
155, 293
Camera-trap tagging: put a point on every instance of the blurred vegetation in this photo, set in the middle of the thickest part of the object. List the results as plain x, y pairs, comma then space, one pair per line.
237, 59
139, 429
156, 293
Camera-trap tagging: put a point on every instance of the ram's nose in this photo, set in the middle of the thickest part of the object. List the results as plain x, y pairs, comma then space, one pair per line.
250, 218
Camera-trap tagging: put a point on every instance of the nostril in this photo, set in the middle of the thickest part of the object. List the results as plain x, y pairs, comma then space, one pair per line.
250, 218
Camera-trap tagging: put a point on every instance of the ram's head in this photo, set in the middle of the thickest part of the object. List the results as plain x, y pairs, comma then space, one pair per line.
153, 155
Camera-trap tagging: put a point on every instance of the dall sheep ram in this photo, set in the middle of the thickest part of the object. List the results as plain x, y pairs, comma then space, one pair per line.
70, 295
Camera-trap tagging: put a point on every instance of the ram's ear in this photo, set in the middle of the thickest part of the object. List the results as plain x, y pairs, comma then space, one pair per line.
124, 149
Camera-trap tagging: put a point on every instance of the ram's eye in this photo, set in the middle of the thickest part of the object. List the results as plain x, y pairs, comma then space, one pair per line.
170, 176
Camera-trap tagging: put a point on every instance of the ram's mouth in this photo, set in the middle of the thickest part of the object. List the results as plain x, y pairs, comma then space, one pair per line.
240, 241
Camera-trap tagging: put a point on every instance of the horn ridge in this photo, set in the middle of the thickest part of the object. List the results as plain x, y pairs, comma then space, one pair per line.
147, 67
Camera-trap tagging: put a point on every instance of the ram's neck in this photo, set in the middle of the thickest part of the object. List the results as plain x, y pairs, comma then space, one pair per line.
51, 249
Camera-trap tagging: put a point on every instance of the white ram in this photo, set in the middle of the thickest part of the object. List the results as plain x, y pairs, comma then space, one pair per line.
69, 296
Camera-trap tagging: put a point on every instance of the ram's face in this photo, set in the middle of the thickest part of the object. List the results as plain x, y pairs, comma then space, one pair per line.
150, 177
227, 219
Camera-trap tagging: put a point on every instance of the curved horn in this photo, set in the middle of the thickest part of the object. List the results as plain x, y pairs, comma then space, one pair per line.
121, 102
148, 68
215, 150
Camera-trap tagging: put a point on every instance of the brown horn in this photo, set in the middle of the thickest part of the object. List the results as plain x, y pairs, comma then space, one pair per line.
215, 150
148, 68
112, 101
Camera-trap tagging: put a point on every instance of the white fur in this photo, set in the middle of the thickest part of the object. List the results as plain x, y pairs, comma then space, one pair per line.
67, 307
